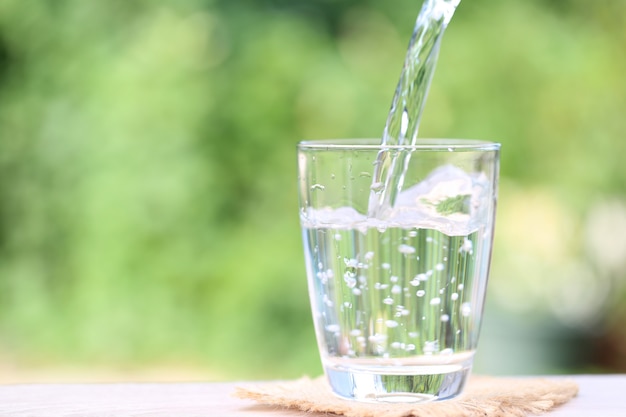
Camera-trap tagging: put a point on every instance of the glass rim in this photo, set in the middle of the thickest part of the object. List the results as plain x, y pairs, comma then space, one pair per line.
426, 144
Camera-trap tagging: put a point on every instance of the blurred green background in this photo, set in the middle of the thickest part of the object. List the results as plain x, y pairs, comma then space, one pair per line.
148, 208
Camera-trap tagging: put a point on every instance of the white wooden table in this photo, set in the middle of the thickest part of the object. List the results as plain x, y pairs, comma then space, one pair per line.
600, 395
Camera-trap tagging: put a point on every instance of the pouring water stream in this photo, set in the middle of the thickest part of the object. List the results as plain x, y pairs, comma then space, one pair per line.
404, 116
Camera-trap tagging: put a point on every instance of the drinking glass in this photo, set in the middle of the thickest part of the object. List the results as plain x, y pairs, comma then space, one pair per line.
397, 243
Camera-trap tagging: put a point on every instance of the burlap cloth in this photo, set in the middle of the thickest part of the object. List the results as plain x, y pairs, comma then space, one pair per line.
483, 396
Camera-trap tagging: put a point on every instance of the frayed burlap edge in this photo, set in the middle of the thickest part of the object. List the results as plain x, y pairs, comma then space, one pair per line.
483, 397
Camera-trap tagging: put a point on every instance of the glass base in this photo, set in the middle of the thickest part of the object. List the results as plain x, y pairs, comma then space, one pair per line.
397, 387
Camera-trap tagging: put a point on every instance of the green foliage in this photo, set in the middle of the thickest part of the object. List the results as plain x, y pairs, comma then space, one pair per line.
147, 155
456, 204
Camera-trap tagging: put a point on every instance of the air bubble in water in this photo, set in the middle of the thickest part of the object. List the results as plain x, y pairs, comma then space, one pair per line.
377, 187
388, 301
333, 328
351, 263
317, 187
327, 301
466, 309
435, 301
420, 293
378, 338
406, 249
466, 247
431, 346
391, 323
350, 282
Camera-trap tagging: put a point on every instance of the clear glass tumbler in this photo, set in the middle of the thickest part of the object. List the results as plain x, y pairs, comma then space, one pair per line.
397, 242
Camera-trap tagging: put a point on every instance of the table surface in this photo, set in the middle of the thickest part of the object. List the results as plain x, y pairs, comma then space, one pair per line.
600, 395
